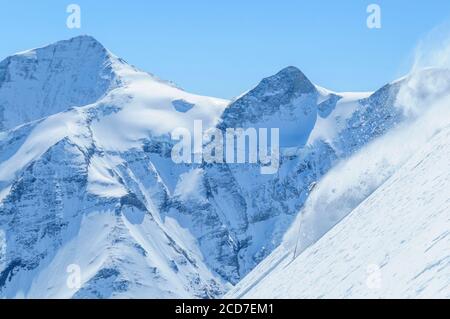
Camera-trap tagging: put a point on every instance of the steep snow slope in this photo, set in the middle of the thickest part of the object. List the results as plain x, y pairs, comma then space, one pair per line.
394, 245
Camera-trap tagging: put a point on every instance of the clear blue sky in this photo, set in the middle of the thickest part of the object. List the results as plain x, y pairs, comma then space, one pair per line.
222, 48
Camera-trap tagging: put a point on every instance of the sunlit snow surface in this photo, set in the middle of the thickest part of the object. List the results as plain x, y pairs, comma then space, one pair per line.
67, 180
86, 176
382, 212
401, 231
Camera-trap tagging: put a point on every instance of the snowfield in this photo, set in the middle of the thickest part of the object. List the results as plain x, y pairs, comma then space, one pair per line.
396, 244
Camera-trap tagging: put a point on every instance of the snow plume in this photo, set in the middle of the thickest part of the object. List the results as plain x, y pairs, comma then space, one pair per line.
424, 97
434, 49
429, 80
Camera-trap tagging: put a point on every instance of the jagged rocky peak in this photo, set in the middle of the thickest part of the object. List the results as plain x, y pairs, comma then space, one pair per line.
290, 80
56, 77
285, 97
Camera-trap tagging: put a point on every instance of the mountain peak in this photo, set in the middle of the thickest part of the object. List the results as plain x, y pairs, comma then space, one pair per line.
291, 70
283, 99
61, 75
81, 42
292, 79
83, 38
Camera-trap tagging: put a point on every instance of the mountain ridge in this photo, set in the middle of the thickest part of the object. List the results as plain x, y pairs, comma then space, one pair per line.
103, 172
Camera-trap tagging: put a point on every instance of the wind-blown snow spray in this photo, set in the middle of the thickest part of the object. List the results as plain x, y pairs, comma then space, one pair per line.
424, 99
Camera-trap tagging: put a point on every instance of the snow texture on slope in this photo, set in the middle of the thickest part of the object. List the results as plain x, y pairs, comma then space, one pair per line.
393, 245
352, 181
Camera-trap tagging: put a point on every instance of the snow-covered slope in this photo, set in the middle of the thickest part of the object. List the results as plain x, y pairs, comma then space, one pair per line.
87, 179
377, 206
86, 186
394, 245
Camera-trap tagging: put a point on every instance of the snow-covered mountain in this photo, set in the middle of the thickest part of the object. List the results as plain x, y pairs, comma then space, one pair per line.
260, 208
377, 224
45, 81
86, 186
395, 244
87, 179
